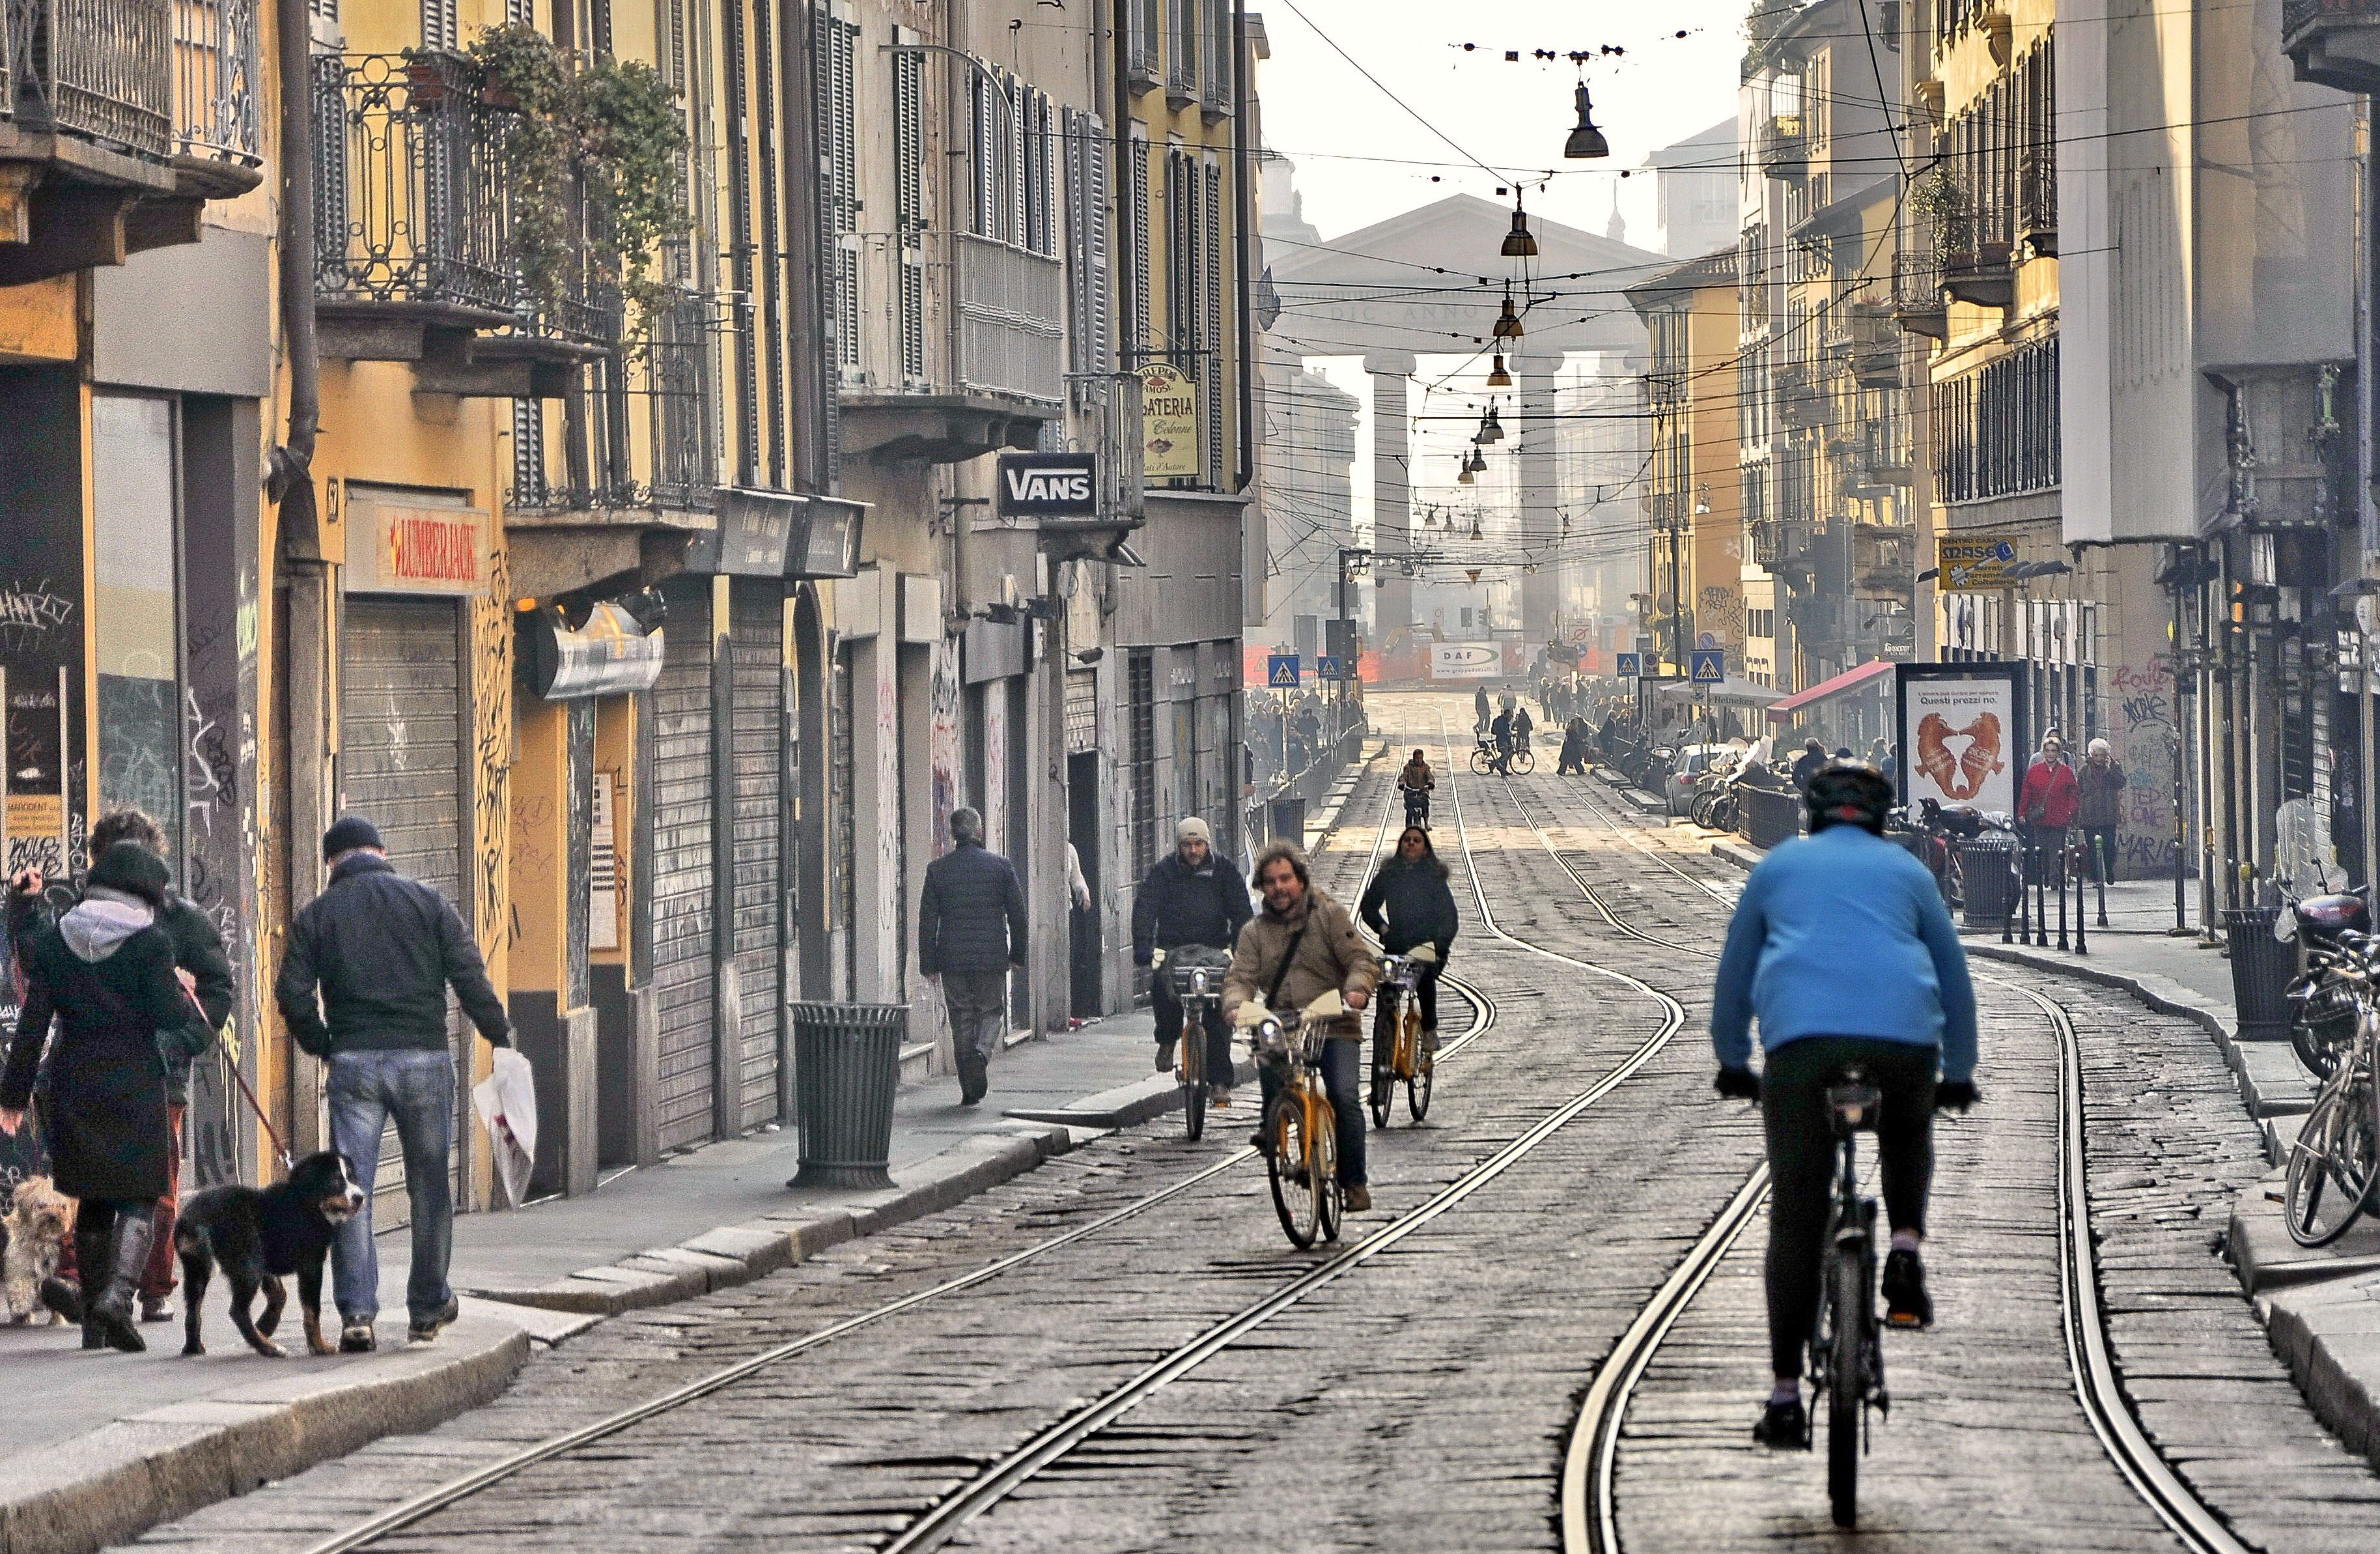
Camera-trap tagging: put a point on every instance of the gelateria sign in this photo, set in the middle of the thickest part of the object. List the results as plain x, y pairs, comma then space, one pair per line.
1168, 423
404, 548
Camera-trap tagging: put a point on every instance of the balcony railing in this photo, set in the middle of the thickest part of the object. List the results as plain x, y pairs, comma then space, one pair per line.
2335, 42
2036, 213
652, 424
1976, 255
1011, 320
99, 70
1784, 145
216, 116
1918, 295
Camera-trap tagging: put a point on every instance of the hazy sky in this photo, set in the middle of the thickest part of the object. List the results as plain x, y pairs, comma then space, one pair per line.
1320, 112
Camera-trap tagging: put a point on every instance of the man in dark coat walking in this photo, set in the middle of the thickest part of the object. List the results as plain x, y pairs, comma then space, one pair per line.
970, 930
384, 950
103, 972
1808, 764
199, 955
1190, 897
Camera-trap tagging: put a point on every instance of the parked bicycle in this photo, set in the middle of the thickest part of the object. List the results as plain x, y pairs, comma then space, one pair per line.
1846, 1347
1300, 1130
1400, 1008
2322, 997
2335, 1164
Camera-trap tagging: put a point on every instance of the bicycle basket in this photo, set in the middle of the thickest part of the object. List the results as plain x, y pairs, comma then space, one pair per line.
2328, 1010
1181, 963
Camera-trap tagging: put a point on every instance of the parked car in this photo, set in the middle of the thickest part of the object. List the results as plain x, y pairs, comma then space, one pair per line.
1686, 773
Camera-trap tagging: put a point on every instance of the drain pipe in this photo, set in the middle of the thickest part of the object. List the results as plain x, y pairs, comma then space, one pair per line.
1244, 163
290, 480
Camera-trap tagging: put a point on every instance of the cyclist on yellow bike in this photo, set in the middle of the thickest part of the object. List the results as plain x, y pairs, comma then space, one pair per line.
1420, 910
1192, 896
1842, 948
1302, 945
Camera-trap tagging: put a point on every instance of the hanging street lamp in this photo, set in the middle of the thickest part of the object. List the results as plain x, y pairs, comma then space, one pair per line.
1476, 533
1586, 141
1463, 476
1508, 324
1497, 376
1490, 428
1520, 243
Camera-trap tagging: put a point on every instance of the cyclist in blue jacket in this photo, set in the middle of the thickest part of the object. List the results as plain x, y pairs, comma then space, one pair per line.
1841, 947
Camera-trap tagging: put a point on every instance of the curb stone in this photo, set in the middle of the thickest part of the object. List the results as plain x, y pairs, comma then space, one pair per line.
116, 1482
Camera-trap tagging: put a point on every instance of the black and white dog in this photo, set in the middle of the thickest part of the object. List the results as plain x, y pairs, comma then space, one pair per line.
260, 1235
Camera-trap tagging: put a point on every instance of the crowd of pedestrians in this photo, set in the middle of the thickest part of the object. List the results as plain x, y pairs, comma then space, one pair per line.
125, 984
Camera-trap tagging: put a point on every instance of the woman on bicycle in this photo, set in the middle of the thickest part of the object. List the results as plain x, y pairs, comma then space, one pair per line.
1420, 910
1841, 947
1415, 783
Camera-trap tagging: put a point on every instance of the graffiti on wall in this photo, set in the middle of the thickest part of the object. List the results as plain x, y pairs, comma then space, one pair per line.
948, 743
491, 753
2137, 719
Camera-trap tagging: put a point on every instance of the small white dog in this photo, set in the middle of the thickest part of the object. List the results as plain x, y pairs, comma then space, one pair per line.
39, 1219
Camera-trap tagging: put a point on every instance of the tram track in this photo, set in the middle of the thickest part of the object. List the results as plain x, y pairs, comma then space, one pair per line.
1589, 1498
488, 1476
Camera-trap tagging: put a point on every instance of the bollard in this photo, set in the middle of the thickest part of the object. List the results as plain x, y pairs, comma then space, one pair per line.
2062, 944
2099, 872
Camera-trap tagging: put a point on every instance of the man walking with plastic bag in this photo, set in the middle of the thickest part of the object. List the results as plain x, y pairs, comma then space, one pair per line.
383, 949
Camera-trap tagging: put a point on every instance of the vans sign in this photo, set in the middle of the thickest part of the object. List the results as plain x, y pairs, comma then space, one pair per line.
1038, 486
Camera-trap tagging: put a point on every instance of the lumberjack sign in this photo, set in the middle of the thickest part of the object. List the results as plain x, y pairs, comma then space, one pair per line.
409, 549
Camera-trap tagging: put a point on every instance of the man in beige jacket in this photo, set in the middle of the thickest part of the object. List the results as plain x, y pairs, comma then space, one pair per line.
1301, 946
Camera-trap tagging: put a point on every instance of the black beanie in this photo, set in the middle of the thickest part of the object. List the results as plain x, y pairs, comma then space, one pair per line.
348, 834
134, 869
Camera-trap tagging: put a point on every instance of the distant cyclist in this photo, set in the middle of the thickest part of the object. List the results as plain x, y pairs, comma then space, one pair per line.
1420, 910
1415, 783
1840, 945
1501, 729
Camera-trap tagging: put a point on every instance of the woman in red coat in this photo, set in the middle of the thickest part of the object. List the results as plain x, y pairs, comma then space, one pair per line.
2047, 803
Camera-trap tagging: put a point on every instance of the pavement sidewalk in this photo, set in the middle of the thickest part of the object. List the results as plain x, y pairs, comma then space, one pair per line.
96, 1448
2320, 1308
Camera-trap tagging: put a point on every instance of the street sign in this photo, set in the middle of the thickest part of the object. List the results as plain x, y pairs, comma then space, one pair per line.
1280, 672
1972, 563
1631, 665
1709, 666
1329, 666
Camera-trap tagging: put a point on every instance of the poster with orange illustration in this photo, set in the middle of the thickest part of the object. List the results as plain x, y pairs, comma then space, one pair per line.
1962, 734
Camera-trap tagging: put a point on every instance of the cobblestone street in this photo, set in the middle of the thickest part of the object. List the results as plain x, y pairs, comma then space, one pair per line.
1424, 1394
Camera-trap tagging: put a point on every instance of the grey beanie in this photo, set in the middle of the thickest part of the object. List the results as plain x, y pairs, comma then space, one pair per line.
1193, 829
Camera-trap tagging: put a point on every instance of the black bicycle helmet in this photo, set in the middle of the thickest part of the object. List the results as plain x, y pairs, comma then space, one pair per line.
1849, 794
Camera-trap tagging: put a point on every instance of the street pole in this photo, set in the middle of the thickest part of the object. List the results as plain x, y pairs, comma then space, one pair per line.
1677, 595
2180, 764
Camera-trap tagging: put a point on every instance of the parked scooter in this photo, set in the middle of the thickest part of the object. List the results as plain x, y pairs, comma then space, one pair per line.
2323, 1007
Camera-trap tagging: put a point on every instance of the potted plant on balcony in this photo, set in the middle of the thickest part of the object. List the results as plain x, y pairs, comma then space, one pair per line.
589, 152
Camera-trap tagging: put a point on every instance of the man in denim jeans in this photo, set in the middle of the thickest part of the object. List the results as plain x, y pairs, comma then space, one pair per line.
384, 950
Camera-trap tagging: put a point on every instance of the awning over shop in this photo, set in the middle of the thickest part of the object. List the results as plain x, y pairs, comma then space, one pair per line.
1849, 679
1733, 691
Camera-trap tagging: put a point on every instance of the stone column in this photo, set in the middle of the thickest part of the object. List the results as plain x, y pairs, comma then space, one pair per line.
1531, 434
1392, 488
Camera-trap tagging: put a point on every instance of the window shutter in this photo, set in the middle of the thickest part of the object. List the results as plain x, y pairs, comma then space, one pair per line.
1141, 320
1211, 335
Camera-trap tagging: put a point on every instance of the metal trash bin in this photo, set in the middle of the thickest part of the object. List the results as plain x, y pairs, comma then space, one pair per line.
2261, 969
846, 1067
1987, 871
1285, 820
1771, 815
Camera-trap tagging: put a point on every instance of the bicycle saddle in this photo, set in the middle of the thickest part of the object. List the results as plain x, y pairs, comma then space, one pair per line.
1854, 1101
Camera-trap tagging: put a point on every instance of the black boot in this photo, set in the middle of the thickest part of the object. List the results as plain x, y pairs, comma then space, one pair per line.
91, 1271
113, 1310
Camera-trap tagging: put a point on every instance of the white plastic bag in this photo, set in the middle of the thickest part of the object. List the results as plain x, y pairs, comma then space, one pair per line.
506, 1100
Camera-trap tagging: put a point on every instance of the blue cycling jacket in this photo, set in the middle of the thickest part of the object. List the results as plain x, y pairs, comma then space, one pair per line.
1843, 934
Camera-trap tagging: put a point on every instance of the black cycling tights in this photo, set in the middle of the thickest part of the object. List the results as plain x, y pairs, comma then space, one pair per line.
1802, 1164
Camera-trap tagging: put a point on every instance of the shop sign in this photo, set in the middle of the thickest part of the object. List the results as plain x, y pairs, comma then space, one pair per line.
400, 548
1038, 486
1974, 563
1169, 421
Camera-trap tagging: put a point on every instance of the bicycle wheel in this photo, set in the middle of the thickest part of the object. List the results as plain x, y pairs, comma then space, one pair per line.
1384, 1081
1522, 763
1284, 1166
2332, 1166
1854, 1310
1194, 1079
1479, 763
1329, 1204
1419, 1072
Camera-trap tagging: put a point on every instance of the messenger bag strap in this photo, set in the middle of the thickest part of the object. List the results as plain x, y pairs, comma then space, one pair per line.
1272, 995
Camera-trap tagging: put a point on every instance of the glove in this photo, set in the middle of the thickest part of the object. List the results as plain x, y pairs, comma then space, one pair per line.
1737, 1083
1955, 1095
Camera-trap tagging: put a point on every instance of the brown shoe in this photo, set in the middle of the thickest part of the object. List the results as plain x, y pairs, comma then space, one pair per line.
1358, 1198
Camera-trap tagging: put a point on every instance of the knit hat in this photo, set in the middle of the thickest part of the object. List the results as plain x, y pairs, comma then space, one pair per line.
1193, 829
134, 869
348, 834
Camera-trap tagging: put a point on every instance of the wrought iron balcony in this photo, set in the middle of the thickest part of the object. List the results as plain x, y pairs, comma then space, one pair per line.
2335, 42
1863, 335
118, 120
916, 391
414, 259
1803, 396
2036, 206
1977, 258
1918, 295
1784, 146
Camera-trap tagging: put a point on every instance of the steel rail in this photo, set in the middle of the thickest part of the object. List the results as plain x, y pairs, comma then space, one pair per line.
947, 1516
477, 1481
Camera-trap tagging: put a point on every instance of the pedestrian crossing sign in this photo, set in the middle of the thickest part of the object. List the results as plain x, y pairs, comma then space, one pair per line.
1709, 666
1328, 666
1631, 665
1280, 672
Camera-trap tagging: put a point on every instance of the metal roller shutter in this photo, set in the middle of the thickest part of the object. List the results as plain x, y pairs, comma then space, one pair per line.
402, 721
757, 646
683, 972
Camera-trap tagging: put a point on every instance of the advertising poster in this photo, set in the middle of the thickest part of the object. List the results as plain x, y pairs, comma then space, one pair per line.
1465, 660
1169, 420
1963, 736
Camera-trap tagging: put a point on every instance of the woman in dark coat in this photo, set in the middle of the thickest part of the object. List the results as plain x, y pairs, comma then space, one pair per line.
104, 974
1420, 910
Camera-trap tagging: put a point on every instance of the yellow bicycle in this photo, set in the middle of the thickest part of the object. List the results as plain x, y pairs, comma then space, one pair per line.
1401, 1009
1195, 976
1300, 1130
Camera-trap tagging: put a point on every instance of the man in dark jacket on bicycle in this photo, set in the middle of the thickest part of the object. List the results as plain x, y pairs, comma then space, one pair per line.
1192, 896
1841, 946
970, 930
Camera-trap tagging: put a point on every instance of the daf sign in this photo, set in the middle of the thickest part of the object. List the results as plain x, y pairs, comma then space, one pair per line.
1036, 486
